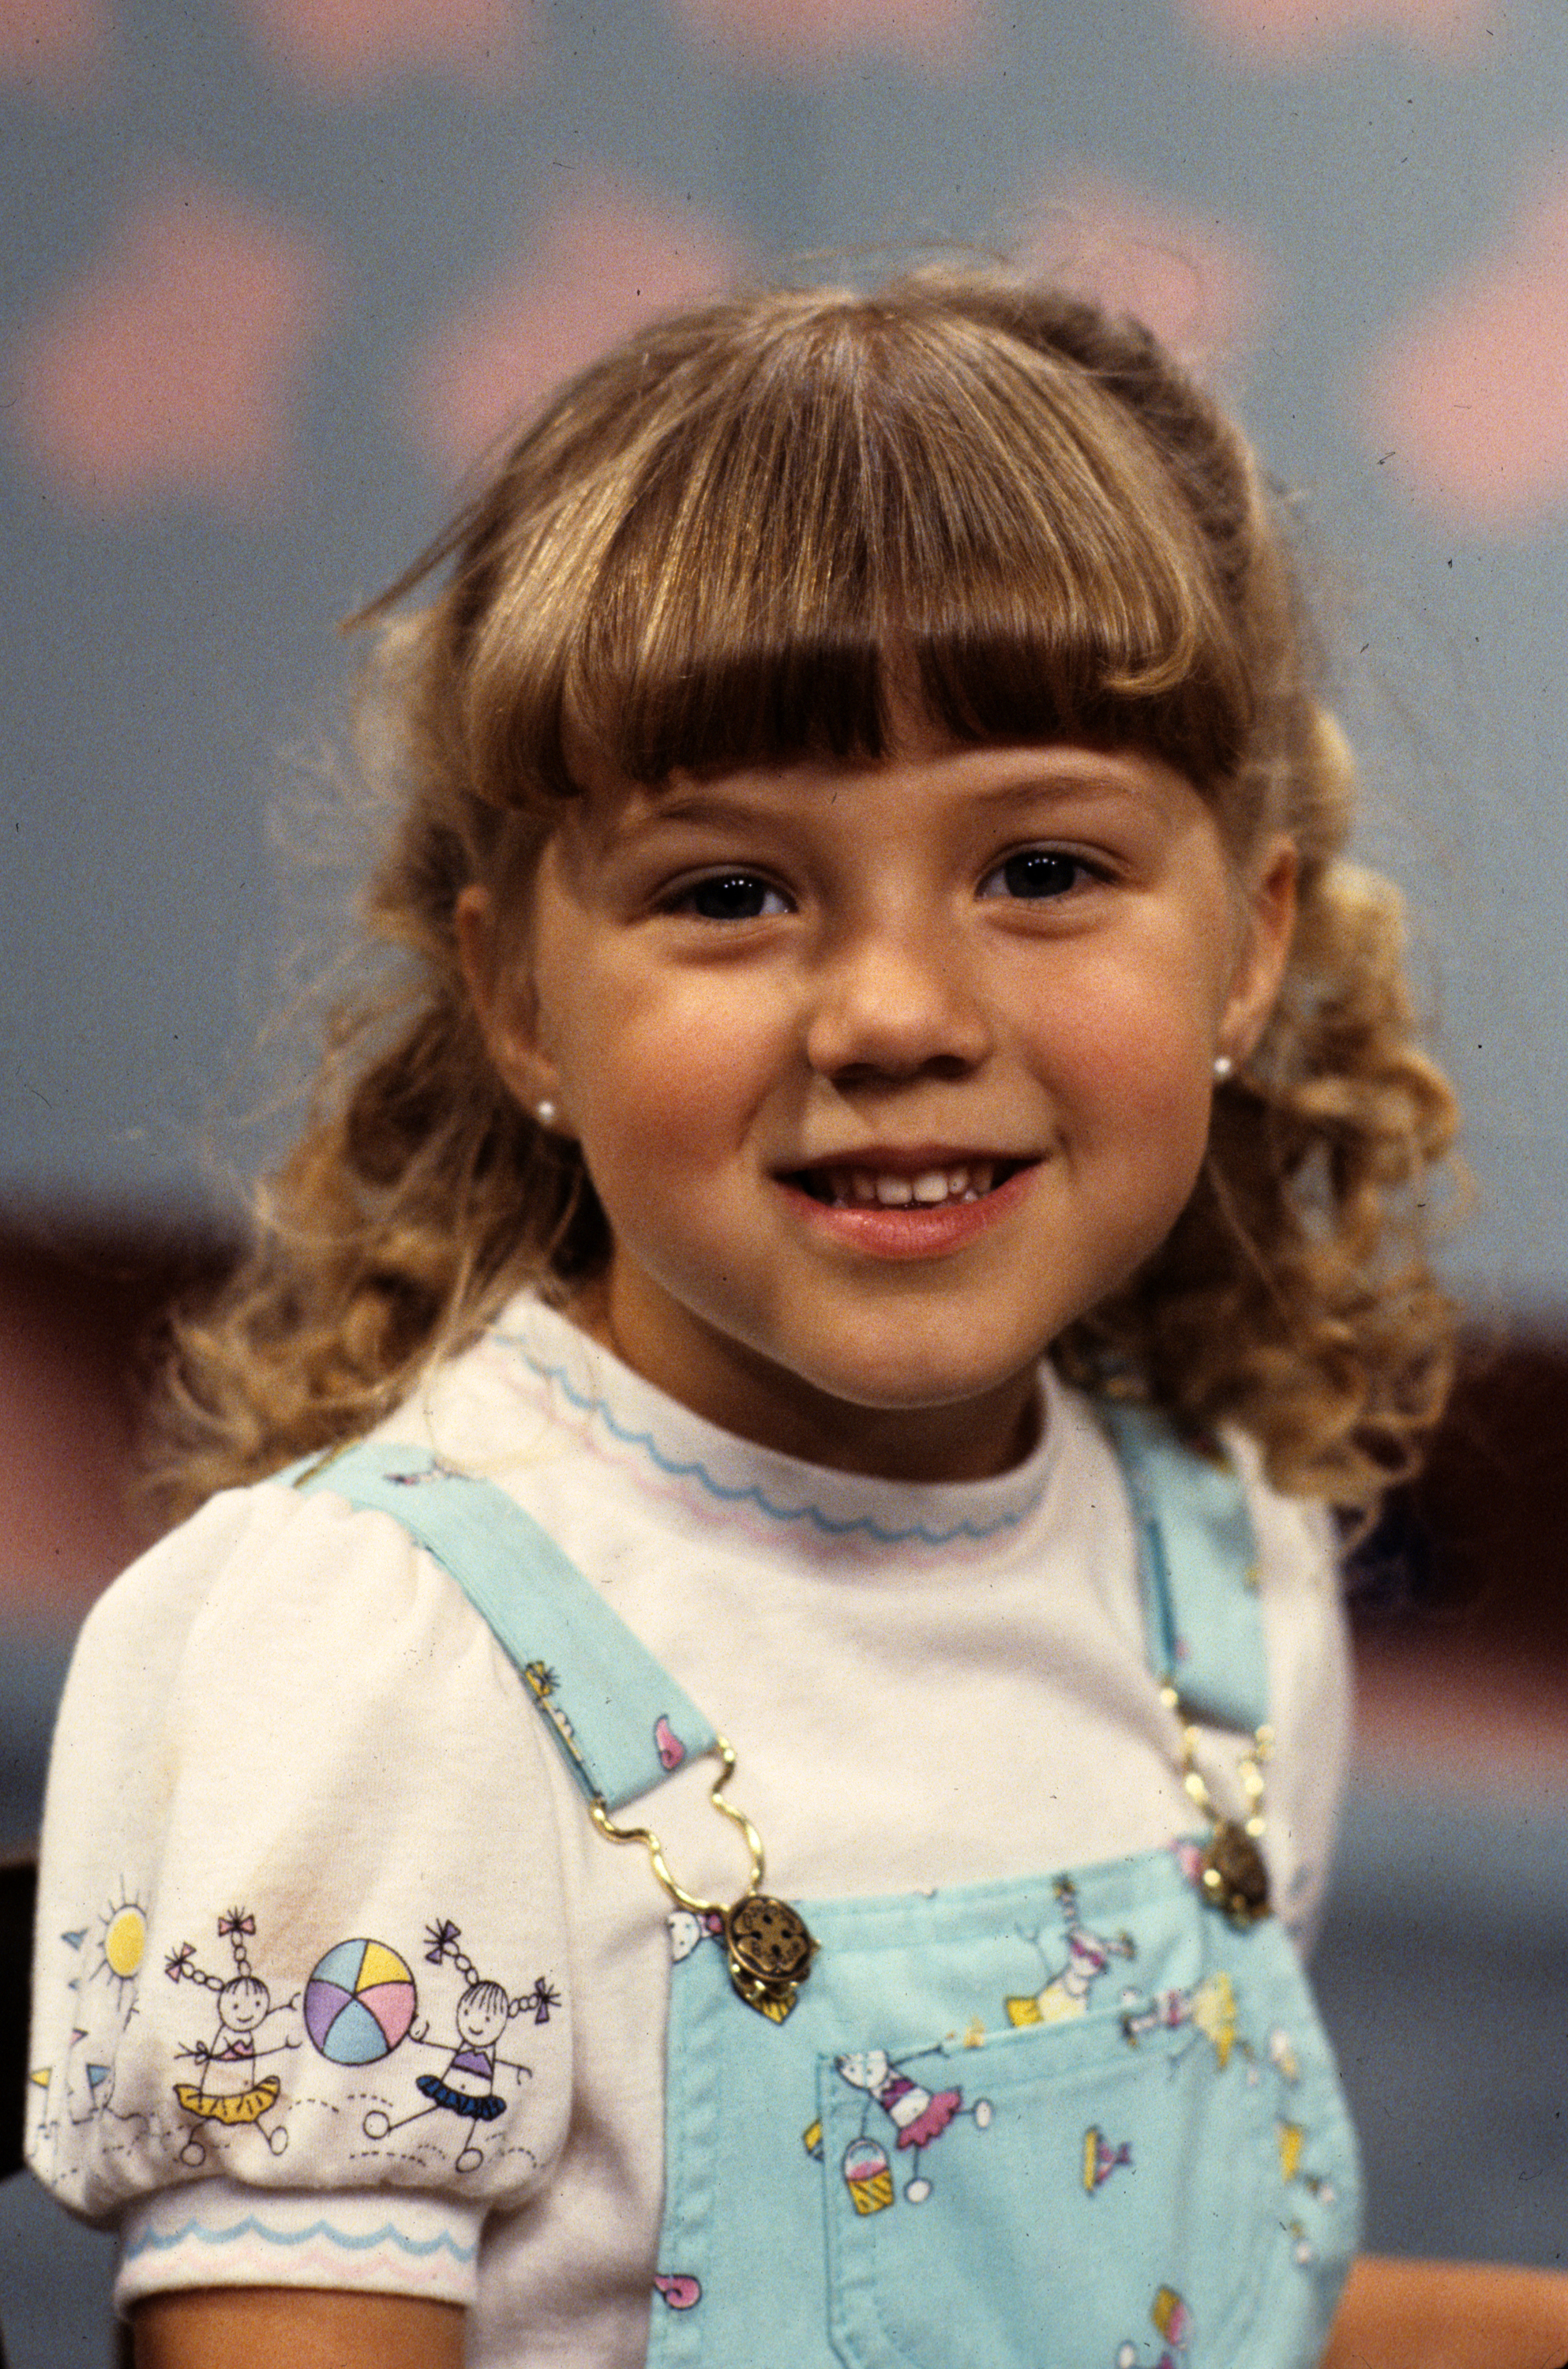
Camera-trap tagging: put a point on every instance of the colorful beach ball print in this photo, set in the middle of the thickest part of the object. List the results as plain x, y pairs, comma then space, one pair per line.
360, 2002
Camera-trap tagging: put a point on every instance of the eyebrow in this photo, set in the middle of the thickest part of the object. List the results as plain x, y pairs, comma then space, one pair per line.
699, 807
1094, 777
1075, 782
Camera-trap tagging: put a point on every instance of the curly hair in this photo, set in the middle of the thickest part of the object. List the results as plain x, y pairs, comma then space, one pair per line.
748, 536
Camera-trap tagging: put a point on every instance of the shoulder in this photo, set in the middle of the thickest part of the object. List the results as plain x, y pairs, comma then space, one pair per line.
265, 1572
1298, 1544
1289, 1541
287, 1638
1216, 1498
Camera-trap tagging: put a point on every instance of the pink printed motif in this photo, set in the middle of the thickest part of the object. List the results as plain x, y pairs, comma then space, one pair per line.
606, 255
919, 2115
1174, 2323
679, 2292
1101, 2159
928, 2115
687, 1931
1274, 34
56, 49
1204, 286
671, 1751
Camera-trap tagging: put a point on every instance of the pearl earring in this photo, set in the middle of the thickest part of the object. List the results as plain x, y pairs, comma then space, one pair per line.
1223, 1066
544, 1112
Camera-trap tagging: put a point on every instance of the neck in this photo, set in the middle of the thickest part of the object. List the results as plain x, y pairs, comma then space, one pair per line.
748, 1395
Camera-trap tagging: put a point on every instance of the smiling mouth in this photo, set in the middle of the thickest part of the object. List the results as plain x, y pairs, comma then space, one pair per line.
927, 1188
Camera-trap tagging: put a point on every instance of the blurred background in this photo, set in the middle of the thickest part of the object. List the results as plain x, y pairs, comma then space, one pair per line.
279, 269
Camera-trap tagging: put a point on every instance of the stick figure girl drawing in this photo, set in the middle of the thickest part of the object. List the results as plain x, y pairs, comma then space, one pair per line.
917, 2115
226, 2090
466, 2084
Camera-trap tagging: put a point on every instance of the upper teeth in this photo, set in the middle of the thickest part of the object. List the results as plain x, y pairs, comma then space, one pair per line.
895, 1191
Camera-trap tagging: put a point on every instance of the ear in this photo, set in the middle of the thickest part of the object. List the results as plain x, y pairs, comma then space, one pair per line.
501, 989
1267, 927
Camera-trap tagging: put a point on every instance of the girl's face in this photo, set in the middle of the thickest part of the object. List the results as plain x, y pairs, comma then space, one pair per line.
482, 2015
242, 2004
883, 1074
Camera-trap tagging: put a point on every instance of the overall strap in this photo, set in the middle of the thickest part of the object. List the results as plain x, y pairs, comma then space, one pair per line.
1198, 1563
620, 1721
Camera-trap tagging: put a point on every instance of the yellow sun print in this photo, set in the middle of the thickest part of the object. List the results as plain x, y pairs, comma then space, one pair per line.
123, 1940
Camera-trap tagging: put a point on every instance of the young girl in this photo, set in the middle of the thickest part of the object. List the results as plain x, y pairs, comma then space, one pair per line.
887, 1190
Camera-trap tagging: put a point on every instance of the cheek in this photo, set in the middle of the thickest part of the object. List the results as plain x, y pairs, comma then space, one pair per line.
653, 1073
1132, 1042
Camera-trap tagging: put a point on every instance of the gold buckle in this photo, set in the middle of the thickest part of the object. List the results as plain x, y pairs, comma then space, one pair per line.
767, 1945
1232, 1871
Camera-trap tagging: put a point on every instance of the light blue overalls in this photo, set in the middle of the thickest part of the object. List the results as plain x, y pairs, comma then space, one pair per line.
1076, 2121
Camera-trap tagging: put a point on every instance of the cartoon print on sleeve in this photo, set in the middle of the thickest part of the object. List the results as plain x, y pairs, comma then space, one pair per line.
360, 2002
228, 2090
107, 1957
1066, 1993
466, 2084
919, 2116
543, 1999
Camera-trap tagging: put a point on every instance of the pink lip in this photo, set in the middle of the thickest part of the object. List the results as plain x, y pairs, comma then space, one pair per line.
912, 1232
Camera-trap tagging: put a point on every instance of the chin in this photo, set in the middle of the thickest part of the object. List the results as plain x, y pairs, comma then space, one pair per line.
913, 1384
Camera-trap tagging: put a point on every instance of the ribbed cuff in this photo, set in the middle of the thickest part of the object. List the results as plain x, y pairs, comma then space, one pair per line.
217, 2233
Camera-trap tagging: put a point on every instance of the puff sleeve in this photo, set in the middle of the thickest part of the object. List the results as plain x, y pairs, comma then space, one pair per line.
301, 2012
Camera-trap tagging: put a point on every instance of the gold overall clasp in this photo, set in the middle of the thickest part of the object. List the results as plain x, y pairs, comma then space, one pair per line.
767, 1945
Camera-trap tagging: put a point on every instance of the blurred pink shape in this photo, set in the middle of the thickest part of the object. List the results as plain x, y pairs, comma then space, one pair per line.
57, 49
341, 48
1198, 282
1472, 393
1280, 32
173, 366
811, 37
605, 257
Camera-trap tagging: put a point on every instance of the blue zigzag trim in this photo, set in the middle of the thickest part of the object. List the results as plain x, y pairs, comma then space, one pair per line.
251, 2227
830, 1527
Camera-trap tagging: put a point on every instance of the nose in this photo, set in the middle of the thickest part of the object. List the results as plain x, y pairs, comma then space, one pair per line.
894, 1000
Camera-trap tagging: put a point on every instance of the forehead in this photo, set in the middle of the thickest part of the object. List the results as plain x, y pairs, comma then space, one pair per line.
924, 776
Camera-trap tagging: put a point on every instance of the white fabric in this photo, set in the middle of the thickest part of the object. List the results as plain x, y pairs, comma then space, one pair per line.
285, 1707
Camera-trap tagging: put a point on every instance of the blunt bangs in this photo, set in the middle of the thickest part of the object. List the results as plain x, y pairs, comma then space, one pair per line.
778, 547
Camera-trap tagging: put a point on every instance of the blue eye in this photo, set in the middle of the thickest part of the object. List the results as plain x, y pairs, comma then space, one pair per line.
1034, 872
730, 896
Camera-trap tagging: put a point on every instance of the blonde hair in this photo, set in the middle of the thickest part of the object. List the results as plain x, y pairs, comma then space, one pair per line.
747, 537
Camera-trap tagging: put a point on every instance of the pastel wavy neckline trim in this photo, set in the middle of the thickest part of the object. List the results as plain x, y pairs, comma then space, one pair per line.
684, 1447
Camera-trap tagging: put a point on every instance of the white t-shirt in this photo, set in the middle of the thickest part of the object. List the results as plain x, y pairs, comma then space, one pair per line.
290, 1748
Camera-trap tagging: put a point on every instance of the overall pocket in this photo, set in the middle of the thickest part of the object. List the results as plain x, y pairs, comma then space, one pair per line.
1120, 2190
